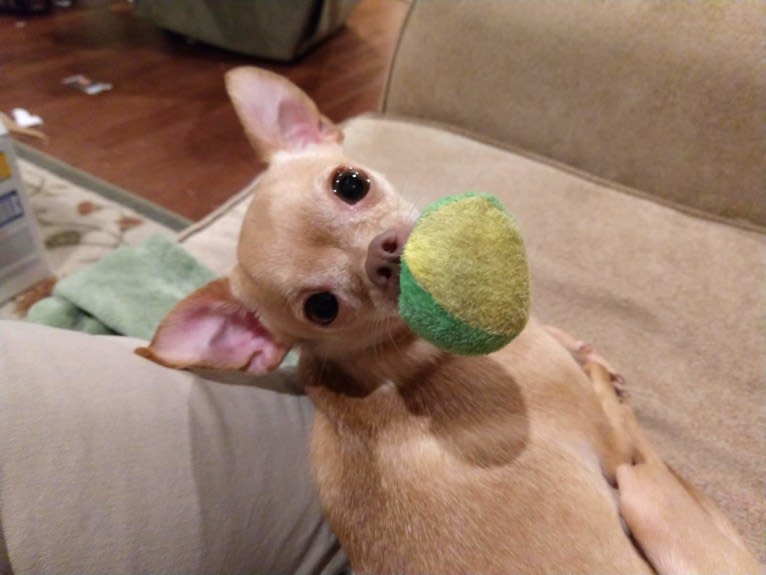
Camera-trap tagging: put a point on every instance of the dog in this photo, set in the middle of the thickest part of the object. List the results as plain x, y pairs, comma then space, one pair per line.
426, 462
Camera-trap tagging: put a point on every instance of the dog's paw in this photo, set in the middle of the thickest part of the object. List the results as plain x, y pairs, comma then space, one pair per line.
587, 357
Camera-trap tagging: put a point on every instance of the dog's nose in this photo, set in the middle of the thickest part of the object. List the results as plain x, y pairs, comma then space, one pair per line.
384, 258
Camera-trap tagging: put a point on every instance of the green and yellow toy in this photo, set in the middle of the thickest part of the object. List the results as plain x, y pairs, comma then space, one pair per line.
464, 277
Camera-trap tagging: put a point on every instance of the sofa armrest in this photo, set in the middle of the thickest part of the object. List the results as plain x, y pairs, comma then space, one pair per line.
666, 98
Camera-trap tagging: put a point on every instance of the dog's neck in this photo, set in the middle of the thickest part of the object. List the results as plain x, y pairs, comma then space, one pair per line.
365, 392
471, 404
397, 361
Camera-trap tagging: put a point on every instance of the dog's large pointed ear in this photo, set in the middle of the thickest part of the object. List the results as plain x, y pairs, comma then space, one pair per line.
212, 329
276, 114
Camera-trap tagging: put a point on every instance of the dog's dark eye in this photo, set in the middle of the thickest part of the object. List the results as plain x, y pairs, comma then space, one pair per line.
321, 308
350, 185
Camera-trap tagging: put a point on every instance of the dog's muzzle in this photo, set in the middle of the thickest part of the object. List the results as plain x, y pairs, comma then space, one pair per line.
383, 262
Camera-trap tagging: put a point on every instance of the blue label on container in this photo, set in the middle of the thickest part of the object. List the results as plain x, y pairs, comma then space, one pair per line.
10, 208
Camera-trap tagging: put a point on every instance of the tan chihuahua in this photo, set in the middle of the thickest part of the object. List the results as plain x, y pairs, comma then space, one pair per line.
426, 462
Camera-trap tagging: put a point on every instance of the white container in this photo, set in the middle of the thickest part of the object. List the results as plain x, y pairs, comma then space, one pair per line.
22, 255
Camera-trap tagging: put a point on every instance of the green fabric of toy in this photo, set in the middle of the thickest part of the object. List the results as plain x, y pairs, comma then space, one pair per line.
464, 275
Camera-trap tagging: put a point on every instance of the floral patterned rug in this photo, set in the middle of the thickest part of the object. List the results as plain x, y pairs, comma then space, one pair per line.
78, 226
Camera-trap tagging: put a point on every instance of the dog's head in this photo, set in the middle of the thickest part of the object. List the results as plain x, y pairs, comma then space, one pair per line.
318, 250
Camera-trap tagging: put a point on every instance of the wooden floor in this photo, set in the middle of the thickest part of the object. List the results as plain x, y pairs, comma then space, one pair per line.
166, 131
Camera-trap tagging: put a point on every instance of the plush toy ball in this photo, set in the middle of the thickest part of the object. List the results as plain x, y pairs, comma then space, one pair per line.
464, 276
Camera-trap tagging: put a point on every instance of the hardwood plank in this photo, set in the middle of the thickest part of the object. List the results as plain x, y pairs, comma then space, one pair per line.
167, 131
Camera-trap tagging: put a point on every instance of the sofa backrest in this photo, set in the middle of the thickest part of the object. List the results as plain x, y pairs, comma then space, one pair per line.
665, 98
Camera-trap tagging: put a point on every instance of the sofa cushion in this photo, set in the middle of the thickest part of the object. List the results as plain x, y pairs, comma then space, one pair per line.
665, 97
673, 300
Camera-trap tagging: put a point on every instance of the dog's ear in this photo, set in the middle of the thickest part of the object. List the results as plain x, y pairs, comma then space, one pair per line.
276, 114
212, 329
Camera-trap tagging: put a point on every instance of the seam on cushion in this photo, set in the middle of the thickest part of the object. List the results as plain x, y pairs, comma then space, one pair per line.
219, 212
394, 57
561, 166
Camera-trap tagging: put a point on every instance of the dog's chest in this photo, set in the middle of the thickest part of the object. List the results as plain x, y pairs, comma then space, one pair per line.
408, 459
406, 495
404, 487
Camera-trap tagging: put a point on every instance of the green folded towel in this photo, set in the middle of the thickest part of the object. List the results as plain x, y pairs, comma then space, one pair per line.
58, 312
127, 292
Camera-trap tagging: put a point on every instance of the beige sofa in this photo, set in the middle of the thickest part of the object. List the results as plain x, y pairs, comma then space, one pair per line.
628, 139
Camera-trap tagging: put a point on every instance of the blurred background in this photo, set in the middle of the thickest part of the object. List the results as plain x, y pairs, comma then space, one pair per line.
161, 125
